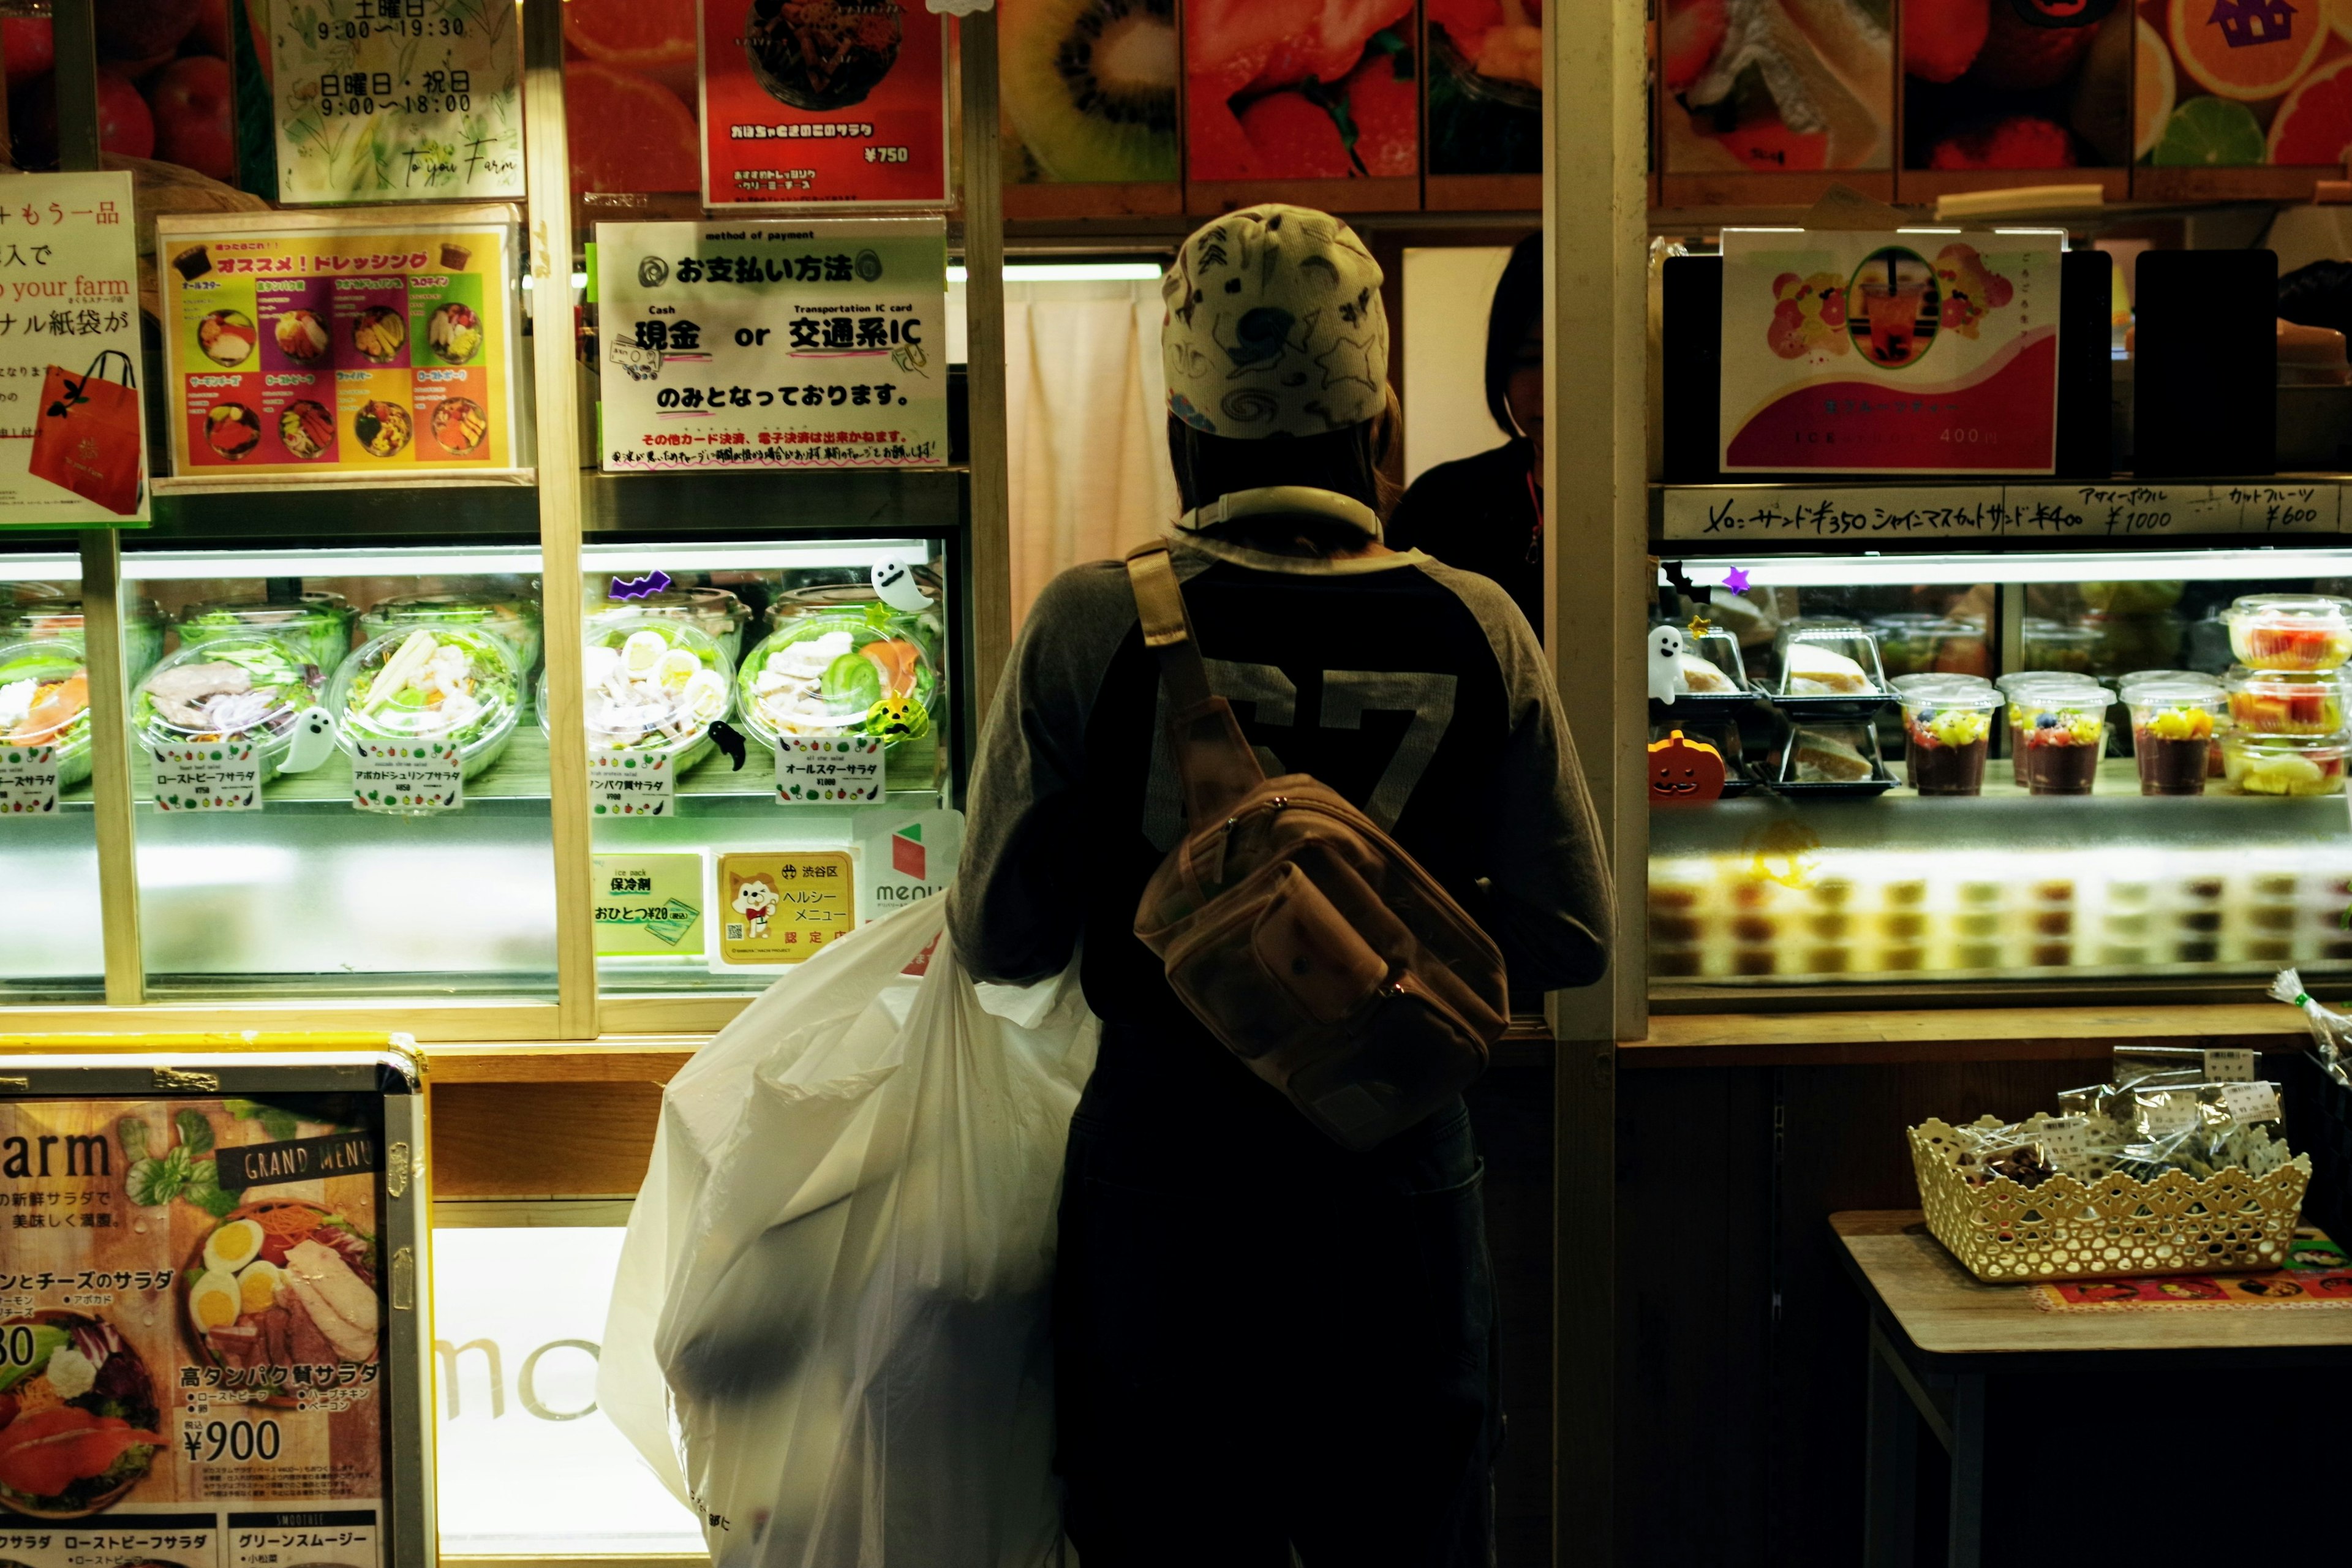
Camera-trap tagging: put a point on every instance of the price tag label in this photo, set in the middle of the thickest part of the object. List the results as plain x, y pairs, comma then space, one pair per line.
2232, 1065
2168, 1115
829, 770
407, 778
224, 777
28, 780
631, 783
2251, 1101
2066, 1140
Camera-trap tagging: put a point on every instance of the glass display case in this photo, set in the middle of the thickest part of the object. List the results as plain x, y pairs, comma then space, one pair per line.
2089, 772
51, 926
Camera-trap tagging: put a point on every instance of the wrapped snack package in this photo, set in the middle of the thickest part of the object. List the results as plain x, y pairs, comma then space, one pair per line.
2331, 1032
2205, 1128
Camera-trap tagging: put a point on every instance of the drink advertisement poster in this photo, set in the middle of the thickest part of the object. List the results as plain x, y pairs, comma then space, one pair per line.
329, 347
73, 428
833, 102
397, 100
204, 1307
820, 344
1912, 350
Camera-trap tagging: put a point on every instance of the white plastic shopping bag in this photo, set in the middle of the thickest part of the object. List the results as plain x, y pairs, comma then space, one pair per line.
829, 1332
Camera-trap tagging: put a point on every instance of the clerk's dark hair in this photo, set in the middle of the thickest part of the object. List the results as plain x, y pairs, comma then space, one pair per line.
1518, 305
2318, 295
1352, 462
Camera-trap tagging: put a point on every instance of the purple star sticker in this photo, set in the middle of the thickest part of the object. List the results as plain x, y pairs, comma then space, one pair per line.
1736, 579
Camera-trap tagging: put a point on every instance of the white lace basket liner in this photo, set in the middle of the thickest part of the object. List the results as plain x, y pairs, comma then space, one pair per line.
2102, 1224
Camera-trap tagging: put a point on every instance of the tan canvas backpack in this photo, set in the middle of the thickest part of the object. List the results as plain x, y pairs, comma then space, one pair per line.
1302, 935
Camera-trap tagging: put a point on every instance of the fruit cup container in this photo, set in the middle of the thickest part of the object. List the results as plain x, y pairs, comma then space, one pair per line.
1946, 728
2173, 725
2029, 693
2290, 631
2284, 766
2060, 743
2286, 701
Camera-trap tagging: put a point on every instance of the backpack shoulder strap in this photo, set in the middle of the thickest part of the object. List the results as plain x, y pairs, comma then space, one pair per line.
1167, 628
1215, 761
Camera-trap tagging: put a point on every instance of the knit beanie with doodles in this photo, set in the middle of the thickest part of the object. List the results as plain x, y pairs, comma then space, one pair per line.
1275, 326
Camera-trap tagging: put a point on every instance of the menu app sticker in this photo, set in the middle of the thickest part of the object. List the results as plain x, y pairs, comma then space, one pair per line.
406, 100
781, 908
649, 906
220, 775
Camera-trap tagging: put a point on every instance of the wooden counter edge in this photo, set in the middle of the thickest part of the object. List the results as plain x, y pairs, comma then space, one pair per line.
1959, 1034
626, 1060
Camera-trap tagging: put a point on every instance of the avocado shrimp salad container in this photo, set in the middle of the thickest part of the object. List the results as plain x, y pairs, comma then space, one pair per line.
655, 685
39, 617
839, 675
456, 684
44, 701
319, 624
514, 619
252, 688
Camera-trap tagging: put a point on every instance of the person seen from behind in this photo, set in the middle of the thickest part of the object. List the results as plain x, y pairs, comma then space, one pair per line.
1266, 1343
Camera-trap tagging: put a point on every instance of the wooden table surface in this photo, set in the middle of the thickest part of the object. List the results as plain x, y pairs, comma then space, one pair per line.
1945, 1310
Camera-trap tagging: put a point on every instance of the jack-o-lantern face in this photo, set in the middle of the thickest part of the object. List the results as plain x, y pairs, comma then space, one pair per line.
1685, 772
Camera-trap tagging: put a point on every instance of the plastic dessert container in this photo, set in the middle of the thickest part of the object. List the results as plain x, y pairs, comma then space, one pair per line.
2284, 766
2173, 725
2286, 701
1946, 730
2290, 631
2026, 692
2061, 738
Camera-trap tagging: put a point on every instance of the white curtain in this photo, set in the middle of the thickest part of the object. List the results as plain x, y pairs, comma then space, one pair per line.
1086, 416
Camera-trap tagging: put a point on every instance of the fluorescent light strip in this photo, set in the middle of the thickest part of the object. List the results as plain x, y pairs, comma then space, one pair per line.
2118, 566
1072, 272
638, 559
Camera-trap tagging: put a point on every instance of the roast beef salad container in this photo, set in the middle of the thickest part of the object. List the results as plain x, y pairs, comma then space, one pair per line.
654, 684
844, 674
319, 626
456, 684
44, 701
252, 688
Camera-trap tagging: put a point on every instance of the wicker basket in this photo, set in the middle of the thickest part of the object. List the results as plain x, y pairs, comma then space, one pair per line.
2106, 1225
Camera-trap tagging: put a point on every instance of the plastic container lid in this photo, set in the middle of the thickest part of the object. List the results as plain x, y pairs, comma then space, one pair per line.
822, 598
716, 610
1939, 680
838, 675
2125, 684
2024, 680
448, 683
513, 619
654, 684
44, 695
321, 620
228, 689
1841, 660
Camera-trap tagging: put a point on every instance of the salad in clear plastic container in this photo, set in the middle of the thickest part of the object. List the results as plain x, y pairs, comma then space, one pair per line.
38, 612
514, 619
2290, 631
715, 612
839, 675
319, 626
44, 701
655, 685
429, 683
252, 688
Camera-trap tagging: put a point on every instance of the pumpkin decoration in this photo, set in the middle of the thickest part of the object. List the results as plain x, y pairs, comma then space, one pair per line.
1685, 772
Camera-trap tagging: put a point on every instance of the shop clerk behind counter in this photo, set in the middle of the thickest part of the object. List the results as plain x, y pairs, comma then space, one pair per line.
1484, 513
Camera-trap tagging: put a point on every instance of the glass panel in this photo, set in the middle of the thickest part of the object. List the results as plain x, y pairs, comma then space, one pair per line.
308, 657
805, 647
51, 941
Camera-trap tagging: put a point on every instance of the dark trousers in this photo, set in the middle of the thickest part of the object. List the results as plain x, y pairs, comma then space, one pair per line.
1254, 1356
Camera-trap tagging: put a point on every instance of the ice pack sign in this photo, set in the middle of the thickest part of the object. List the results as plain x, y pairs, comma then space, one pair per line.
1908, 351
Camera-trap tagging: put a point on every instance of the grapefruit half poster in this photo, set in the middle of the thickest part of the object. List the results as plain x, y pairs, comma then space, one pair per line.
1911, 351
839, 102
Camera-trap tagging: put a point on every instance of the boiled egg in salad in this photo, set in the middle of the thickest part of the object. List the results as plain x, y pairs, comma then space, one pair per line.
234, 1245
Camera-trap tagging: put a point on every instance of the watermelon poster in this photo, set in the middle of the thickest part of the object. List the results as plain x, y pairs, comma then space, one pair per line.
840, 103
1909, 351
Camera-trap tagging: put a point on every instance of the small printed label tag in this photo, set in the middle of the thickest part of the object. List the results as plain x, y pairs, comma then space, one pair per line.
417, 777
2251, 1102
828, 770
28, 780
225, 775
631, 783
2168, 1116
2066, 1140
2230, 1066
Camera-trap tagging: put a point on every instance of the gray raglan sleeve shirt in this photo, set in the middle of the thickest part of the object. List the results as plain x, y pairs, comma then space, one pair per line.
1016, 908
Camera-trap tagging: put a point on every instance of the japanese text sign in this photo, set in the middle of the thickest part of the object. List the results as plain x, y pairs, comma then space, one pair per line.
782, 908
631, 783
649, 905
820, 344
405, 776
28, 780
829, 770
1911, 351
206, 775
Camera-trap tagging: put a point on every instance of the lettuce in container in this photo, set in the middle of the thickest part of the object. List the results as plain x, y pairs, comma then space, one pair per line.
655, 684
37, 612
252, 688
515, 619
319, 626
427, 683
839, 675
44, 701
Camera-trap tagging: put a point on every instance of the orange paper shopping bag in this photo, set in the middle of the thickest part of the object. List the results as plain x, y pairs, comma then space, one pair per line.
87, 440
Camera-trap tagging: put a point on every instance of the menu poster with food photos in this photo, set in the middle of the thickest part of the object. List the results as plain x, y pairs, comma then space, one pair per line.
70, 453
1908, 351
327, 346
832, 101
191, 1299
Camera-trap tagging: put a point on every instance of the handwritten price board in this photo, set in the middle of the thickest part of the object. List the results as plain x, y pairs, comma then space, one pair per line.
2042, 510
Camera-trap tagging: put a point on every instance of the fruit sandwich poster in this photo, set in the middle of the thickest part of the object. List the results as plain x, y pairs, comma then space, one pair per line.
190, 1332
1301, 90
1915, 351
835, 101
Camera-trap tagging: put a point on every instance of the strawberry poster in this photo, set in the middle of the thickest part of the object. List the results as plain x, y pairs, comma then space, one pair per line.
191, 1332
834, 102
1301, 90
1912, 351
